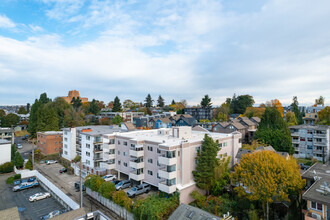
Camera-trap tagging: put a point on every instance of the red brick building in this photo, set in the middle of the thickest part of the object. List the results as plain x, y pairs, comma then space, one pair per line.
50, 142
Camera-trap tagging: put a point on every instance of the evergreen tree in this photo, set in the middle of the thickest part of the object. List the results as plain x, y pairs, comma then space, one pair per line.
44, 99
28, 107
60, 106
206, 102
160, 101
94, 107
76, 103
2, 113
274, 131
239, 104
148, 101
207, 161
173, 102
22, 110
47, 119
13, 152
116, 105
296, 111
33, 118
18, 160
9, 120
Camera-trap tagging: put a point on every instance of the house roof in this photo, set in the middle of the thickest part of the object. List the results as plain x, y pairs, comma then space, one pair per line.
247, 121
130, 126
71, 215
237, 125
262, 148
191, 213
223, 124
165, 120
319, 192
199, 128
256, 119
189, 121
317, 170
242, 152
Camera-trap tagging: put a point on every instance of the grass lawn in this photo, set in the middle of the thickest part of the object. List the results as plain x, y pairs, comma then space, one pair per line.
21, 133
303, 160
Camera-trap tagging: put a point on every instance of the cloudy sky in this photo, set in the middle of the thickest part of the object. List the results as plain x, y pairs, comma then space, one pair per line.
179, 49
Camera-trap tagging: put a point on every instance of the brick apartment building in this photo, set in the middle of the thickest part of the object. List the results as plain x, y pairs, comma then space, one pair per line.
50, 142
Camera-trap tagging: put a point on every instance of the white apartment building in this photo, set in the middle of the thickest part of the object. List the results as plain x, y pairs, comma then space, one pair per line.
5, 149
311, 141
164, 158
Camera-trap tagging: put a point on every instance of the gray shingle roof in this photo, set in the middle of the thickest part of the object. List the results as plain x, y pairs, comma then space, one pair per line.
191, 213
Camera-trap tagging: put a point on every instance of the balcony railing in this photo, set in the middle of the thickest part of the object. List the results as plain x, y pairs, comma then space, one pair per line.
165, 187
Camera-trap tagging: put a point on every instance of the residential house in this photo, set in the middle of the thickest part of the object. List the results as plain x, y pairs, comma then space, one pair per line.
241, 152
311, 116
317, 195
5, 149
6, 133
127, 126
164, 158
255, 120
251, 128
193, 213
50, 142
311, 141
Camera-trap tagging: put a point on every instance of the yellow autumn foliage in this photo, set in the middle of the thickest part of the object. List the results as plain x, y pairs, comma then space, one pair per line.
267, 176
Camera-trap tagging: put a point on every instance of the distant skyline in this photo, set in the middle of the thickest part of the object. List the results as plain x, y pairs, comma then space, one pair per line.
177, 49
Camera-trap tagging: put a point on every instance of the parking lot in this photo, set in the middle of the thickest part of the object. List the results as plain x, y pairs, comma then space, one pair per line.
27, 210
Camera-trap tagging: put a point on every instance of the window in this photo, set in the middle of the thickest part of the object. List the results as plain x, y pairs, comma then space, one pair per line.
55, 142
118, 152
88, 137
125, 143
310, 139
88, 146
158, 177
220, 145
125, 164
149, 160
158, 164
118, 142
302, 139
125, 153
118, 162
150, 148
88, 154
132, 145
178, 153
88, 162
65, 145
225, 144
65, 139
65, 152
112, 141
158, 151
112, 151
150, 172
316, 206
65, 133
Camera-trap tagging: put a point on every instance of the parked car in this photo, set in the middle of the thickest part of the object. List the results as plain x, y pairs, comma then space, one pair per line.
51, 162
32, 179
77, 186
116, 181
63, 170
19, 146
124, 184
25, 185
137, 190
39, 196
109, 177
52, 214
303, 166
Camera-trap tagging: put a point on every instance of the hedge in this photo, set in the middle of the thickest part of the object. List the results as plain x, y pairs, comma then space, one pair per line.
7, 167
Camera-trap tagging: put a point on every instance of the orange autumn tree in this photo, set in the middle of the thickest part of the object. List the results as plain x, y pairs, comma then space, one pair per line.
277, 104
268, 177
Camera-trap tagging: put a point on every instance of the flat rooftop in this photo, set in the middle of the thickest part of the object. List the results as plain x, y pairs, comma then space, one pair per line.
3, 141
51, 132
97, 129
310, 126
168, 139
319, 192
317, 170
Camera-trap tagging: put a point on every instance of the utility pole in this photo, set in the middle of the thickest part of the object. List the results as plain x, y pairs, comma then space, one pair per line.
33, 154
81, 198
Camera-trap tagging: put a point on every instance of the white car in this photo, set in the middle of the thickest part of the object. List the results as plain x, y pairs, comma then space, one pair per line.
109, 177
51, 161
39, 196
19, 146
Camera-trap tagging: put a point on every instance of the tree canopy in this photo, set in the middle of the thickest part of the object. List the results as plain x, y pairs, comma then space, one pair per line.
277, 104
319, 101
206, 102
295, 110
160, 101
116, 105
254, 112
239, 104
207, 161
274, 131
94, 107
9, 120
290, 119
148, 101
324, 116
117, 120
22, 110
267, 176
76, 103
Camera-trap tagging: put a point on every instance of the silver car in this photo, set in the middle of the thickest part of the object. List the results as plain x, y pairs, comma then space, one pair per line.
39, 196
137, 190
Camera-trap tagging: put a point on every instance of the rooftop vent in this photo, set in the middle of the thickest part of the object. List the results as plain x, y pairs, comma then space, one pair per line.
191, 214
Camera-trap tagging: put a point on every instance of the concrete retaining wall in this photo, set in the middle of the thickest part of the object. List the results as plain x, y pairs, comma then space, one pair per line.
65, 200
121, 211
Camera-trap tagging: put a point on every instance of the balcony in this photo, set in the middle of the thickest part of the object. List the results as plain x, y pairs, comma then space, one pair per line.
164, 173
295, 134
110, 164
320, 143
318, 135
295, 141
136, 152
136, 163
135, 175
168, 188
98, 148
167, 161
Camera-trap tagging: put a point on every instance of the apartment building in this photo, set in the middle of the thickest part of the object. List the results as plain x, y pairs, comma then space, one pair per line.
86, 141
5, 149
127, 116
311, 141
49, 142
200, 113
164, 158
311, 114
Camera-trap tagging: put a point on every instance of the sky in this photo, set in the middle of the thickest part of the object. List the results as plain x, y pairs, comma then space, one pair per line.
177, 49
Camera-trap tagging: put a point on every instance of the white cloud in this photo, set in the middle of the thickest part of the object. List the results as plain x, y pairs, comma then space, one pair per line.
5, 22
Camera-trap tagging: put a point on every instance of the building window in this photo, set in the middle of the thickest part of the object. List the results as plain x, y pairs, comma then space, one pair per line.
118, 142
125, 153
88, 162
88, 146
150, 148
112, 151
158, 151
118, 152
150, 172
55, 142
225, 144
149, 160
118, 162
65, 133
125, 143
197, 149
65, 152
88, 137
65, 139
88, 154
132, 145
125, 164
178, 153
158, 177
112, 141
302, 139
316, 206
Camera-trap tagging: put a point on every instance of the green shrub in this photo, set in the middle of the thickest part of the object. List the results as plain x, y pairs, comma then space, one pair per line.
29, 165
155, 207
17, 176
10, 180
7, 167
122, 199
106, 189
77, 159
94, 182
18, 160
